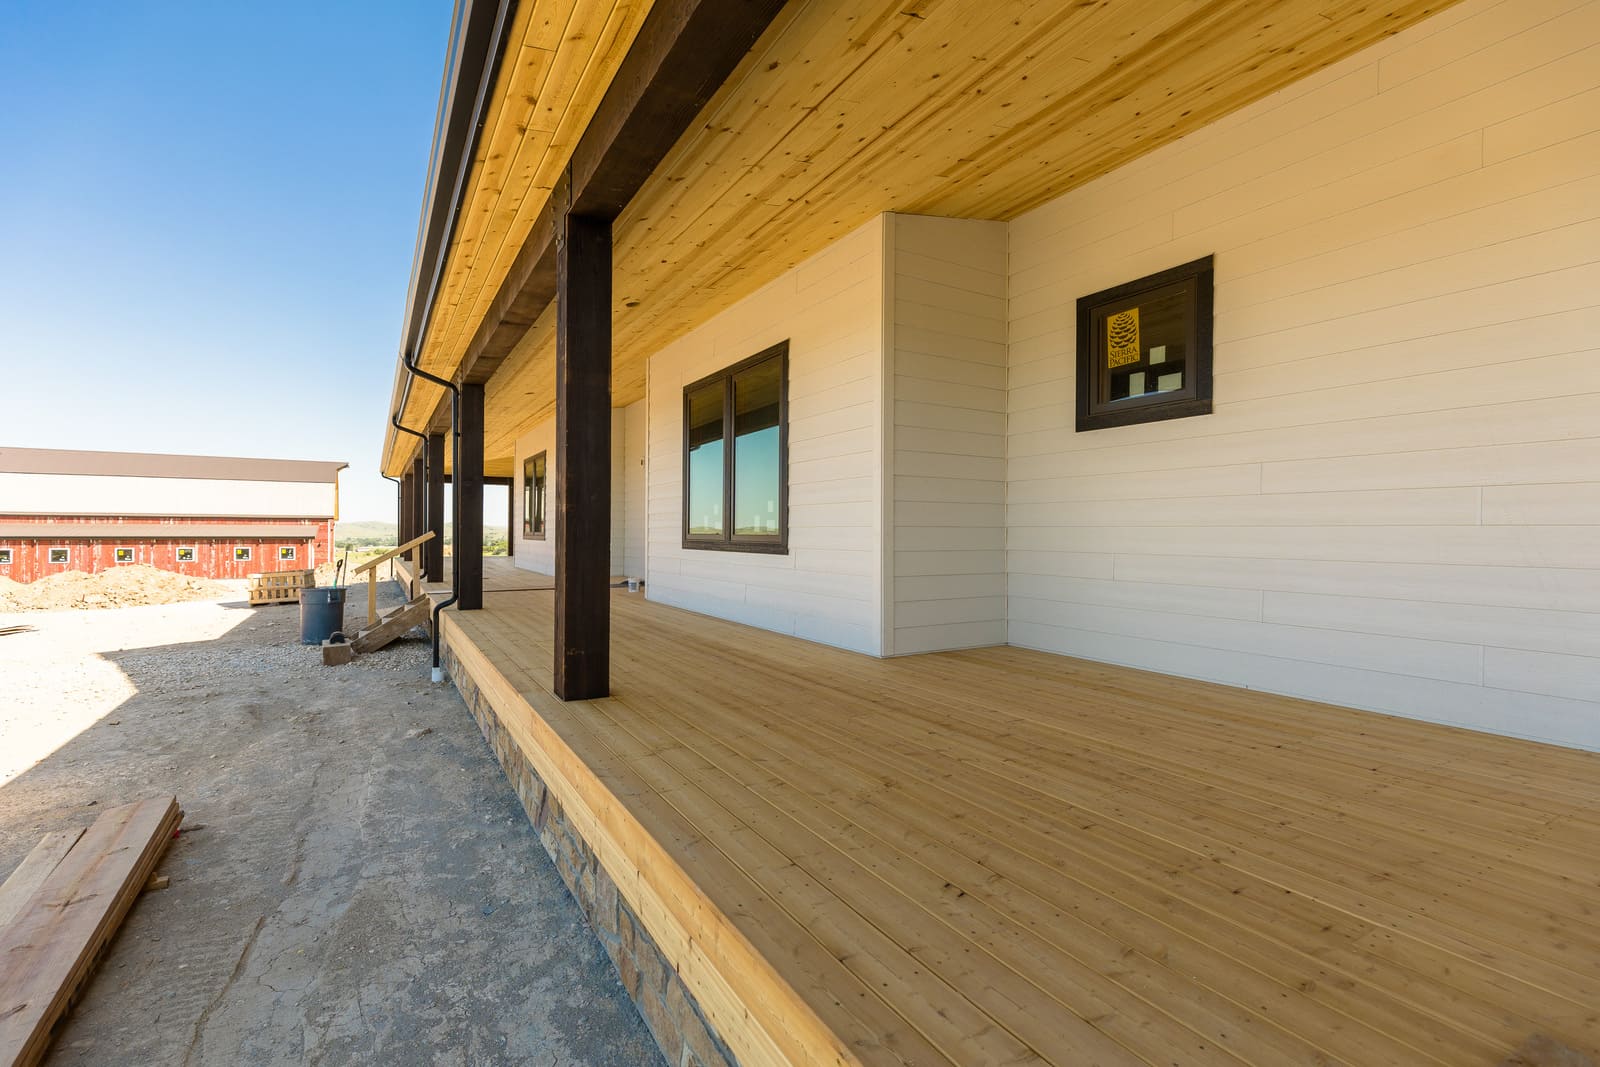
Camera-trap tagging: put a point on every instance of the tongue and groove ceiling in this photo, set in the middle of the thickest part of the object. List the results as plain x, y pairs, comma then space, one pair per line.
843, 110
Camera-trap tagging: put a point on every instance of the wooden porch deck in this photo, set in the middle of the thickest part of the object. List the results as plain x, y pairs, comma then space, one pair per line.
1000, 856
500, 575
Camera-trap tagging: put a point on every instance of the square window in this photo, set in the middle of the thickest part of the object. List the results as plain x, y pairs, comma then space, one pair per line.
60, 555
286, 552
5, 557
241, 554
185, 555
124, 555
533, 494
1144, 349
735, 456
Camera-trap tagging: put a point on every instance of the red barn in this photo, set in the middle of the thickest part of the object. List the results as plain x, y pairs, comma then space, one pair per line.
206, 516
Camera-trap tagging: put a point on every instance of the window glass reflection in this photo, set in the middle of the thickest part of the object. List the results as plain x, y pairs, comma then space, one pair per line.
755, 452
705, 460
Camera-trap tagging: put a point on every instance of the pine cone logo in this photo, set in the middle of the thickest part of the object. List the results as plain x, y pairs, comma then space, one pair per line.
1122, 338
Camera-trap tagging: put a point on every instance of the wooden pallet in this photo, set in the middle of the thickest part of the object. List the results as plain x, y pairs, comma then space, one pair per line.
280, 587
73, 910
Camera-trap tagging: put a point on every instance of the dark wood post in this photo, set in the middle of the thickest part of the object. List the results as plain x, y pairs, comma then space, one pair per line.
469, 499
433, 551
583, 458
513, 487
408, 486
419, 504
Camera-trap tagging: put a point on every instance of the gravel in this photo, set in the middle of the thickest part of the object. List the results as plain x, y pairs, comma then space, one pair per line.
356, 881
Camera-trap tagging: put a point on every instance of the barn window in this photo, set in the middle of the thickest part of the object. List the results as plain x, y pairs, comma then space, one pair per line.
60, 555
185, 555
533, 494
241, 554
735, 456
5, 557
1144, 349
123, 555
286, 552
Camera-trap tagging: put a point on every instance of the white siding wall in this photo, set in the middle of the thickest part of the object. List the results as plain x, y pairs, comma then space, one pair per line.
619, 490
94, 494
1395, 504
828, 587
634, 478
947, 285
537, 555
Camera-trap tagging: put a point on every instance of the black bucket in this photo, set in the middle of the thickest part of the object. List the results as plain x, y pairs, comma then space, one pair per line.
321, 614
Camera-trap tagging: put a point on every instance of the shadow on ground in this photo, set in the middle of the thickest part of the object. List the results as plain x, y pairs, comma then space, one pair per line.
356, 882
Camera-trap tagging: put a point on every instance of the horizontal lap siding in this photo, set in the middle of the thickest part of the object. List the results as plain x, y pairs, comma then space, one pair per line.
947, 278
1395, 503
828, 587
30, 556
529, 552
634, 480
619, 491
539, 554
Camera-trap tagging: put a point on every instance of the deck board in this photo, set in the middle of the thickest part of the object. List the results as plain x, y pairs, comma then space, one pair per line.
1001, 856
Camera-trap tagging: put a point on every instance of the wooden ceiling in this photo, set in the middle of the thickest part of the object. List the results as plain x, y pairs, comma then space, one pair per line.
560, 57
848, 108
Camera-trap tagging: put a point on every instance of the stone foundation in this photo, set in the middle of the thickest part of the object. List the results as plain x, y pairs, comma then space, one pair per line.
686, 1037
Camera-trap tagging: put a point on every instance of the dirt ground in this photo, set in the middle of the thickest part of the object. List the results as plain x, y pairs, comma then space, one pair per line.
118, 587
355, 882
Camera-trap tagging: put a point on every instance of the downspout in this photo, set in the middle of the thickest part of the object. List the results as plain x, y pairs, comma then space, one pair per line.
494, 18
399, 503
394, 420
455, 451
491, 19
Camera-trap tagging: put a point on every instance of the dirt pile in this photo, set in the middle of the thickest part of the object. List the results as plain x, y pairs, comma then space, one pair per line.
119, 587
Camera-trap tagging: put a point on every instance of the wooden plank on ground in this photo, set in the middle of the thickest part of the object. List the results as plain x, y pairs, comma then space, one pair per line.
33, 869
48, 950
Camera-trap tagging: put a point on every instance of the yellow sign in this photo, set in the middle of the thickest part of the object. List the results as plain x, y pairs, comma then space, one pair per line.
1122, 338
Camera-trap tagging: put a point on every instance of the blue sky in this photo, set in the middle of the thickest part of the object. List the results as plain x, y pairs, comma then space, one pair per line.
207, 213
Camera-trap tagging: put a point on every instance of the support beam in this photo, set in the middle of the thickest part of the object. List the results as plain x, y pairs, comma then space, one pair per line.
681, 56
683, 53
419, 501
433, 551
583, 459
469, 499
408, 487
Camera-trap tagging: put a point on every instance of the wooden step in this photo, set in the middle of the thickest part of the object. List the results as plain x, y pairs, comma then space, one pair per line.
393, 626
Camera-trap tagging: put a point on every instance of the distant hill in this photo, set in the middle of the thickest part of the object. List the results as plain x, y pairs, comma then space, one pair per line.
370, 531
375, 534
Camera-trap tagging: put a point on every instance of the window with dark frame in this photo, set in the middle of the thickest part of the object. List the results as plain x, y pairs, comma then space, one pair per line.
5, 557
185, 555
124, 555
1144, 349
241, 554
60, 555
287, 552
533, 494
735, 456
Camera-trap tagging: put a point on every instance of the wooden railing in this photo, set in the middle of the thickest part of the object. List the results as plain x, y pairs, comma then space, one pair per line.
370, 569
